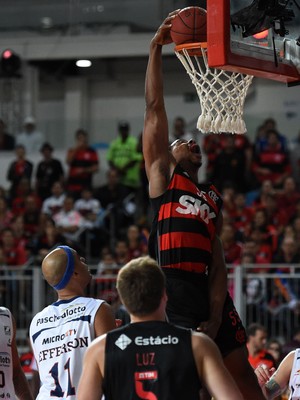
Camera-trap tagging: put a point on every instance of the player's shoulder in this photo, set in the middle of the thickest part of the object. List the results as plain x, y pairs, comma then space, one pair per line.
5, 312
98, 344
202, 342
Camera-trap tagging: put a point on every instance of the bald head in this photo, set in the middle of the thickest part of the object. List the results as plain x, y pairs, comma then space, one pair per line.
54, 265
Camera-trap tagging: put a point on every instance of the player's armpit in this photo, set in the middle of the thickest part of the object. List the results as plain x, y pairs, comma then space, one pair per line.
272, 389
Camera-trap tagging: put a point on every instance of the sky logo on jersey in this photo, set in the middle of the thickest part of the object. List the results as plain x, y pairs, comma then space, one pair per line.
123, 341
193, 206
156, 341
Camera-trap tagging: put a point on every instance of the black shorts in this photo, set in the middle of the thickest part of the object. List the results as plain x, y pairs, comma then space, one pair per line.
188, 305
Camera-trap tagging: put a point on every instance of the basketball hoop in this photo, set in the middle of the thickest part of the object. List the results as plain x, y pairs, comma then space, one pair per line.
221, 93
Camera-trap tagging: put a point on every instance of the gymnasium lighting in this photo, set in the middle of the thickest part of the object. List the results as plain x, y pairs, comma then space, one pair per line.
83, 63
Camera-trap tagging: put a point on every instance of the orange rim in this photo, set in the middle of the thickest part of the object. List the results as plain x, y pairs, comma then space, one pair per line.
191, 46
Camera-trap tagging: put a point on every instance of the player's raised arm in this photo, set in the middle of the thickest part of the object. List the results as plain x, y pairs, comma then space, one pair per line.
155, 134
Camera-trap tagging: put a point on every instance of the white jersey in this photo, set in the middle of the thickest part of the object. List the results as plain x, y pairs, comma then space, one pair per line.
294, 383
7, 390
60, 335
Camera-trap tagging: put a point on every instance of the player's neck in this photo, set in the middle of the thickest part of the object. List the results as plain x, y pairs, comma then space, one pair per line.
193, 174
149, 317
68, 294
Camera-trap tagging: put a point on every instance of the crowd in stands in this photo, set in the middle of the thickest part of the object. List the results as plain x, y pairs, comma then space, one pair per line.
259, 181
109, 224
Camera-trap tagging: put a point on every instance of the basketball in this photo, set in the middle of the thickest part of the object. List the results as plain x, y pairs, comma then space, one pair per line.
189, 26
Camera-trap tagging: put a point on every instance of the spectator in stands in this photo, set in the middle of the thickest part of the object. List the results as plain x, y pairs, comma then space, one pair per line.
49, 170
254, 290
137, 246
211, 147
15, 254
228, 194
295, 161
7, 141
30, 138
113, 192
90, 209
272, 162
22, 191
296, 226
257, 339
261, 222
241, 215
124, 156
54, 203
113, 196
256, 245
107, 271
232, 248
46, 240
266, 188
121, 252
244, 146
287, 232
282, 302
261, 139
274, 347
18, 228
230, 166
288, 197
83, 163
5, 214
18, 169
288, 253
297, 212
108, 265
179, 130
276, 216
69, 222
31, 215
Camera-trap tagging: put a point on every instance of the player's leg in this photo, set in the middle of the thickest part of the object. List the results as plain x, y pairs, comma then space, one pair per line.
231, 340
237, 364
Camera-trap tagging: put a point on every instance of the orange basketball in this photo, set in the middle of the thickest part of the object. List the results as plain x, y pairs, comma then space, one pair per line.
189, 26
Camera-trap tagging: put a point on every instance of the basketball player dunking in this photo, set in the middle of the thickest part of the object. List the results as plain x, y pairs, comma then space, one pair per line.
184, 236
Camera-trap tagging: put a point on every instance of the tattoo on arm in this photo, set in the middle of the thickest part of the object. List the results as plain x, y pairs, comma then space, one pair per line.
272, 389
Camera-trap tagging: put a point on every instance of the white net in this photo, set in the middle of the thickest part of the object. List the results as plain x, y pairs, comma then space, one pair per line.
221, 93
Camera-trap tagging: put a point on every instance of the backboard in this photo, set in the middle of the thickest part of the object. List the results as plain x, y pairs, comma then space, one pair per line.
232, 46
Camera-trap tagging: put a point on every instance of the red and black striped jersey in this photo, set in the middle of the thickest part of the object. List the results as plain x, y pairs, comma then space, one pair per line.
184, 223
